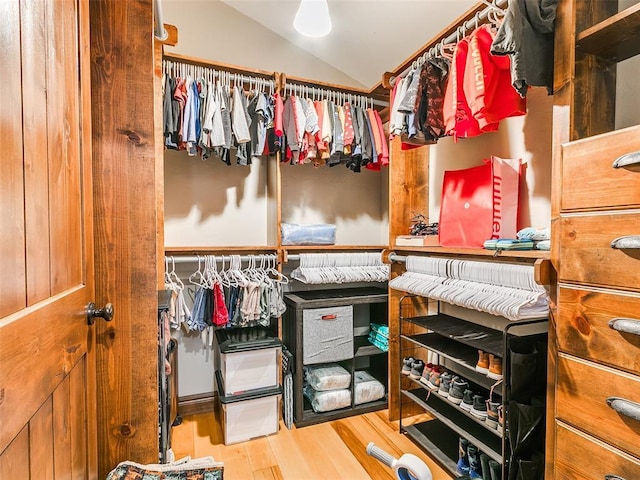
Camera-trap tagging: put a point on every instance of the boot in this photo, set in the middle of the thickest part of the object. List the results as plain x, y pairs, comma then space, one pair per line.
495, 469
475, 467
462, 467
523, 362
484, 461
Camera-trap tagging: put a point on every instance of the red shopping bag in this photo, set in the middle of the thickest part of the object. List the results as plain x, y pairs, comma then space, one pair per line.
480, 203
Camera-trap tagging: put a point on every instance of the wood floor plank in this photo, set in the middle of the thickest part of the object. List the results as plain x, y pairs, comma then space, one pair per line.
356, 433
403, 444
327, 451
260, 455
270, 473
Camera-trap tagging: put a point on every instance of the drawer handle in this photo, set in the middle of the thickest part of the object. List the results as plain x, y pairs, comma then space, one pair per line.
625, 407
626, 160
629, 241
625, 325
329, 317
612, 477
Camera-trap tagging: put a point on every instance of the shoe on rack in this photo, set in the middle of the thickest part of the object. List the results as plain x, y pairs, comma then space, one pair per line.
484, 462
406, 365
483, 362
500, 426
467, 400
445, 384
424, 378
495, 367
434, 378
495, 470
492, 414
462, 467
475, 466
479, 407
456, 392
417, 367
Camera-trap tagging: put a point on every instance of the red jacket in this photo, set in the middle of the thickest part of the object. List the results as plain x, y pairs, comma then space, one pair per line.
487, 82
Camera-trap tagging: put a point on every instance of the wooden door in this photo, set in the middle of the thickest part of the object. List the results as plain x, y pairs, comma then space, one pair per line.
47, 359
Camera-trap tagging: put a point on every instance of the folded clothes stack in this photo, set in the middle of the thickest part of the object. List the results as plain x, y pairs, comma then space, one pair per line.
379, 336
541, 237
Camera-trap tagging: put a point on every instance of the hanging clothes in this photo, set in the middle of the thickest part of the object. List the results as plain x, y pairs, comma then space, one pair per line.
487, 82
526, 35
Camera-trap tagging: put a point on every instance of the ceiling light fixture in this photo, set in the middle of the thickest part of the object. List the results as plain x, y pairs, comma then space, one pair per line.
312, 18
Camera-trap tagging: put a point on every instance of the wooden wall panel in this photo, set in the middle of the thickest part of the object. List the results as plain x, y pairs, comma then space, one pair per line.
36, 162
125, 221
64, 145
408, 187
12, 246
14, 461
41, 442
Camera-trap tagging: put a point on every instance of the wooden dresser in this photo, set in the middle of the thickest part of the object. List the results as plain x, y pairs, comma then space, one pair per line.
598, 360
594, 357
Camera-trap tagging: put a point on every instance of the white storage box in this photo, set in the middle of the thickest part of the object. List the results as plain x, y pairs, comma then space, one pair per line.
250, 415
327, 334
249, 360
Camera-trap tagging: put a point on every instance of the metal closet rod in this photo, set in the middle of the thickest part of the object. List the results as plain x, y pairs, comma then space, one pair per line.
461, 30
296, 256
394, 257
169, 65
219, 258
302, 89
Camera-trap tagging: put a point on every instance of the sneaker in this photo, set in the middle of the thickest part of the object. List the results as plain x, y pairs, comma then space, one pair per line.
417, 367
434, 378
424, 378
475, 465
492, 414
467, 400
462, 467
483, 362
406, 365
456, 392
495, 367
445, 384
500, 426
479, 407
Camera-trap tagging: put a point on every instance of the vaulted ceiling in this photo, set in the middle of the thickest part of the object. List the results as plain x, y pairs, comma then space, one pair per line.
369, 37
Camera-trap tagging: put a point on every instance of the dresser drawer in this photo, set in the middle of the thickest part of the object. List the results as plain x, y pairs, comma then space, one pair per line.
327, 334
581, 457
586, 255
581, 400
583, 327
588, 178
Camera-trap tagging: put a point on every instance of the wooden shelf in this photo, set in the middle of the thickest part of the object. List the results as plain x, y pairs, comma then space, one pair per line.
617, 38
322, 248
478, 252
220, 250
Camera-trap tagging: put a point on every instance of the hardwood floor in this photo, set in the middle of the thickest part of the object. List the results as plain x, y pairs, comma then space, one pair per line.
333, 450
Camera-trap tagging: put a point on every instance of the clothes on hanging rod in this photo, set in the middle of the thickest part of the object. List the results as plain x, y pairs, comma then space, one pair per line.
333, 128
208, 112
226, 295
493, 6
462, 97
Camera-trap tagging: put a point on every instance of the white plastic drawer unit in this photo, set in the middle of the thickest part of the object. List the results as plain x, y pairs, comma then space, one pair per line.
327, 334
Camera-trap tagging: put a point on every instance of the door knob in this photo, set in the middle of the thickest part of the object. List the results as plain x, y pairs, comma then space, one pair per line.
92, 312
